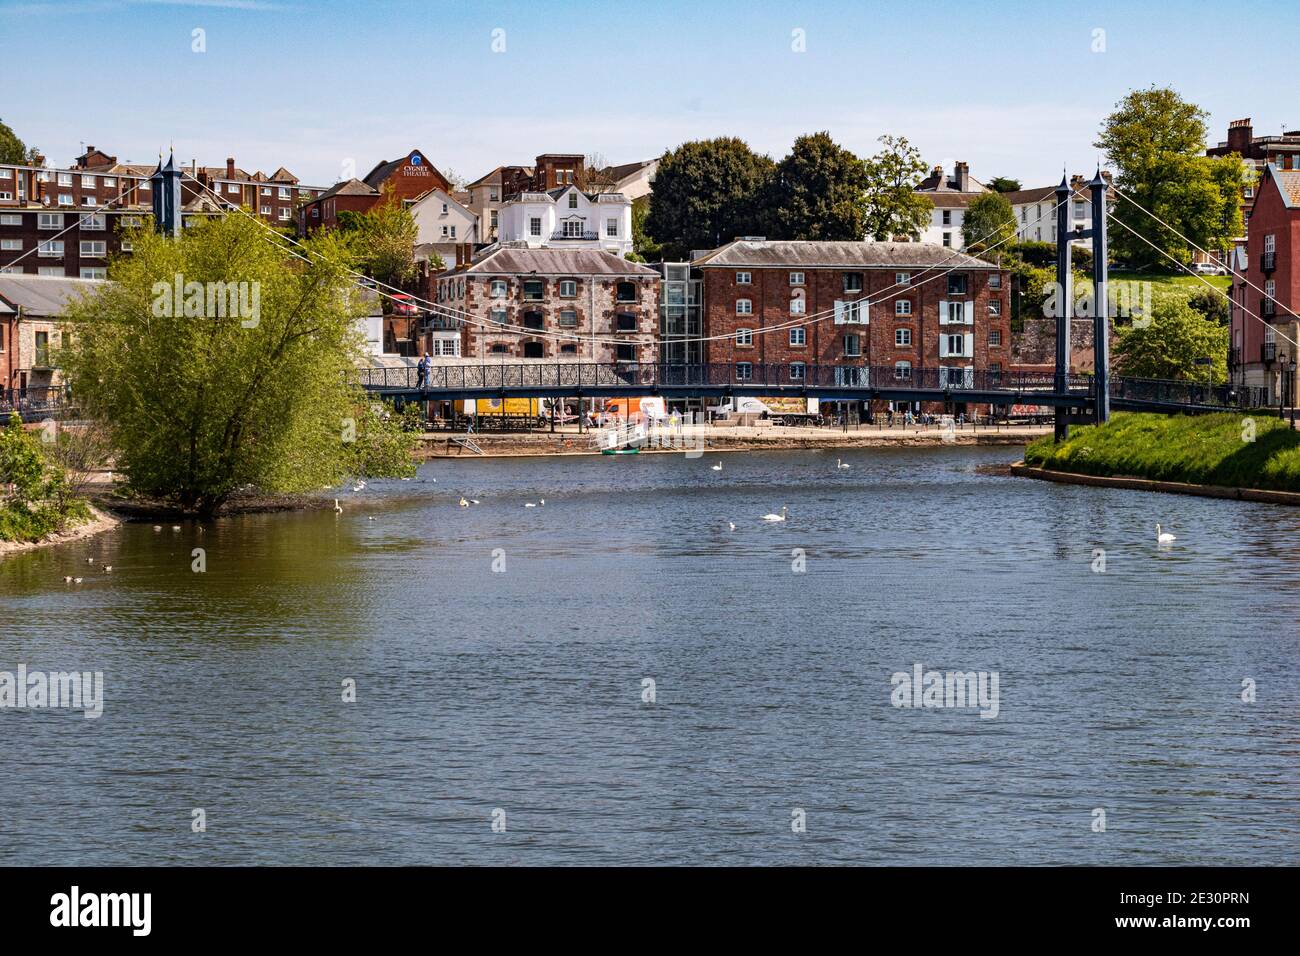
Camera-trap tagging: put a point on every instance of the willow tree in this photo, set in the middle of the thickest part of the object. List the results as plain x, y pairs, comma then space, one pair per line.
220, 362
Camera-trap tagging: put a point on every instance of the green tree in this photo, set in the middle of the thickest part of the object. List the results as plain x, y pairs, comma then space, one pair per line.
1169, 346
12, 149
384, 240
989, 219
643, 244
35, 500
894, 207
1001, 184
818, 193
1155, 140
239, 380
706, 193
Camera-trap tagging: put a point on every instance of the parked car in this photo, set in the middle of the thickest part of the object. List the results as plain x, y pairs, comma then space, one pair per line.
1210, 269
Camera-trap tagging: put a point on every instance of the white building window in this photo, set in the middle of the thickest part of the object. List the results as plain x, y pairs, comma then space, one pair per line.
902, 337
611, 228
497, 288
93, 248
51, 249
92, 223
902, 278
568, 288
796, 371
11, 245
65, 179
744, 307
796, 278
744, 336
902, 307
535, 226
744, 371
49, 220
798, 336
852, 346
232, 188
902, 370
11, 220
743, 278
94, 272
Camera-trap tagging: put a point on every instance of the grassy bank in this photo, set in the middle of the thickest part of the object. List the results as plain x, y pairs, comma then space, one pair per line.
1202, 450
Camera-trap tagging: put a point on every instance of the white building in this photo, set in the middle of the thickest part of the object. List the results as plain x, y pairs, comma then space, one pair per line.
568, 218
443, 224
950, 196
1036, 213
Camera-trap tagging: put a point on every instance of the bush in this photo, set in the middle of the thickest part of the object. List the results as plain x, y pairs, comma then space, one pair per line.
36, 501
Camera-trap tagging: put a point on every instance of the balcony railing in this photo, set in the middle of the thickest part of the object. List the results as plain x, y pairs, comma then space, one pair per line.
561, 234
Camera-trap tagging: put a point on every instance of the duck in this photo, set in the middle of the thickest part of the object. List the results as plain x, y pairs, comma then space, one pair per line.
529, 504
780, 517
370, 517
842, 466
67, 579
90, 560
108, 568
1164, 537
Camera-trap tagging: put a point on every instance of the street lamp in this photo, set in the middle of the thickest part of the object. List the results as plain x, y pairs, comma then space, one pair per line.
1291, 369
1282, 369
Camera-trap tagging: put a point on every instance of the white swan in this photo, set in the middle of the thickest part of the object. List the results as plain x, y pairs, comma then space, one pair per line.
1164, 537
780, 517
338, 510
841, 465
463, 502
717, 467
731, 525
529, 504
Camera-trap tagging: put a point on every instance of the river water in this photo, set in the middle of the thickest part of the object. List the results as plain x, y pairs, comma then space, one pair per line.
517, 697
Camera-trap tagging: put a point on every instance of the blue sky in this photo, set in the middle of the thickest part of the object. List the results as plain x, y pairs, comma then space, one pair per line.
1014, 88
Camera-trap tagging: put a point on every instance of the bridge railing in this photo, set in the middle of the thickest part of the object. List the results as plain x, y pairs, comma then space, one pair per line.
1176, 392
34, 401
738, 375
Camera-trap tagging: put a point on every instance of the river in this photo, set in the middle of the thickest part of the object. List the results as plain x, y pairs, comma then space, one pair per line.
518, 696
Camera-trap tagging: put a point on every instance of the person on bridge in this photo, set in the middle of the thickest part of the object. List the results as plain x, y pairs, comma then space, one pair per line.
422, 373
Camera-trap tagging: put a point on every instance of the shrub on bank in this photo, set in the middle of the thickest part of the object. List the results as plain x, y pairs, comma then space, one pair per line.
1203, 450
35, 500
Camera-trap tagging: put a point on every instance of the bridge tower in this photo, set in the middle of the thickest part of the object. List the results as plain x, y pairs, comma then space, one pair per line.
166, 188
1100, 306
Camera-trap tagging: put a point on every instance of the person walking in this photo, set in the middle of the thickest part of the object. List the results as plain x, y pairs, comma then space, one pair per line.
422, 373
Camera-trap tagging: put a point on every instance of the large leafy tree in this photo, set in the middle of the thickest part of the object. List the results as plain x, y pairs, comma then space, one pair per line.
818, 192
893, 207
202, 401
1155, 141
1170, 345
1001, 184
383, 240
12, 149
989, 219
706, 193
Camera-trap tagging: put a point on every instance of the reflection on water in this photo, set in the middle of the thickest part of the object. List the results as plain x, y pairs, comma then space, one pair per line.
522, 690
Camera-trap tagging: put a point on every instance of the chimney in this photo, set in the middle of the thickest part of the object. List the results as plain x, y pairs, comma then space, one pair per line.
961, 173
230, 167
1240, 133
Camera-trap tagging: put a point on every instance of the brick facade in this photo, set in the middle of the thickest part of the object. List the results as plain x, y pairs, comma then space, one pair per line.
789, 283
584, 294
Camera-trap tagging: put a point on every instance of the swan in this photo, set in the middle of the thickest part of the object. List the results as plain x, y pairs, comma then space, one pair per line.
176, 527
717, 467
529, 504
360, 485
1164, 537
76, 580
157, 528
88, 561
841, 465
463, 502
370, 517
108, 568
67, 579
731, 525
338, 509
780, 517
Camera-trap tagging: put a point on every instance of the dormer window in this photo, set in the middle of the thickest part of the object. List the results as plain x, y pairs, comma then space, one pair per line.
573, 200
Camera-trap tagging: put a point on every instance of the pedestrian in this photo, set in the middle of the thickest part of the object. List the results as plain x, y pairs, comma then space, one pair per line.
422, 373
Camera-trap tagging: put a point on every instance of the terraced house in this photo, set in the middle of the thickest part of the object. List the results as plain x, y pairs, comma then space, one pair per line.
878, 312
560, 304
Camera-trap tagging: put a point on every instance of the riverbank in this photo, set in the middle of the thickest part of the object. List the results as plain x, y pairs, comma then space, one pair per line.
714, 438
100, 521
1225, 455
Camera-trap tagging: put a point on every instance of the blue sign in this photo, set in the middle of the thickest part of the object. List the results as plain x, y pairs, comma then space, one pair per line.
415, 159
